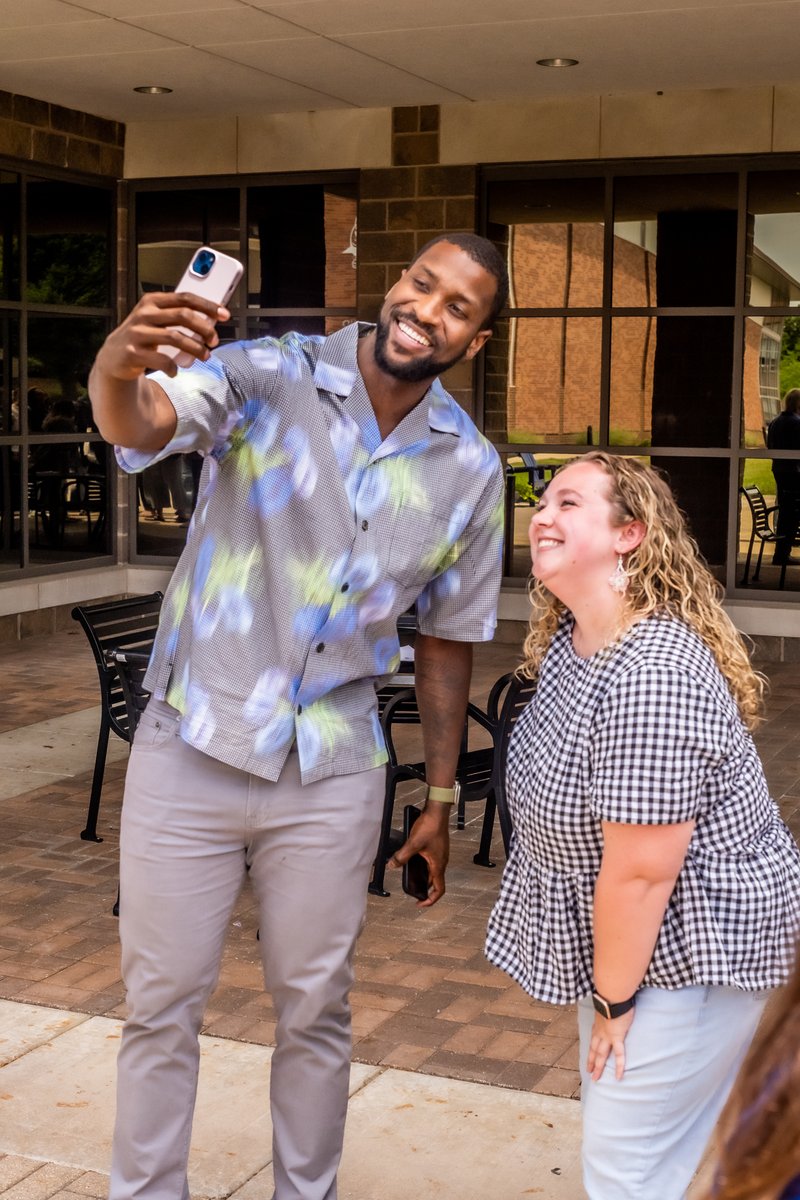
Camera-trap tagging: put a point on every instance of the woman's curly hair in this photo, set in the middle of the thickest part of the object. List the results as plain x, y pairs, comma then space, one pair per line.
758, 1132
666, 574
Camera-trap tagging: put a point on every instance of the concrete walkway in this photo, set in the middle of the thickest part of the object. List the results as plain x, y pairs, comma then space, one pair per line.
411, 1135
408, 1134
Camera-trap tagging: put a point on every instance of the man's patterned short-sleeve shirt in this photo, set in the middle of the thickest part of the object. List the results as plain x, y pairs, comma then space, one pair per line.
310, 537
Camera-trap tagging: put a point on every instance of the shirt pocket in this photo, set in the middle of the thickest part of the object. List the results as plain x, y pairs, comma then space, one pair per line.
418, 547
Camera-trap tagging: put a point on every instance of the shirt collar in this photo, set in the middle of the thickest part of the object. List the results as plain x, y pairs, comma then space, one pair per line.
336, 371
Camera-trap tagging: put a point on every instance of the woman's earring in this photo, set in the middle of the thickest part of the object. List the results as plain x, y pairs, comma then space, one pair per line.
618, 579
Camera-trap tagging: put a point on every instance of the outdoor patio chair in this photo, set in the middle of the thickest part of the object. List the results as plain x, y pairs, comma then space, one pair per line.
115, 625
131, 667
480, 772
762, 527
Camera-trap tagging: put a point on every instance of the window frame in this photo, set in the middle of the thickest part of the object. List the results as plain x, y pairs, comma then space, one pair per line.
23, 309
736, 454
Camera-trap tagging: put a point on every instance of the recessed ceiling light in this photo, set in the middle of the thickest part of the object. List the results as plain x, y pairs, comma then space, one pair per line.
556, 62
153, 90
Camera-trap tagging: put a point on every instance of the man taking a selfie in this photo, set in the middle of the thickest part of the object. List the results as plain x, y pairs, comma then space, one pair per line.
342, 484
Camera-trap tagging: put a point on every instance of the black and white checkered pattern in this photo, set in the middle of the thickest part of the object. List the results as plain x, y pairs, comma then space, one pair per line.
646, 733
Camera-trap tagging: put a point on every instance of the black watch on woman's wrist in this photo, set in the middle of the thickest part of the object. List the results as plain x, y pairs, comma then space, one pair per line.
609, 1010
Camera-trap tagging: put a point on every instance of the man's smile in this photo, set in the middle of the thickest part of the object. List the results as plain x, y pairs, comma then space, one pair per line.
413, 333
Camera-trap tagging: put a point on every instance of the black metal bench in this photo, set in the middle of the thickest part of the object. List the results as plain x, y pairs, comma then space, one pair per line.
115, 625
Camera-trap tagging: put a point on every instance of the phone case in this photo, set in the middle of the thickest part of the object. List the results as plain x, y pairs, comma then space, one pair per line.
215, 279
416, 879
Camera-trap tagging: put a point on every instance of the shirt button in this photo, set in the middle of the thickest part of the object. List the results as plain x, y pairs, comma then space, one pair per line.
320, 647
365, 525
299, 709
345, 587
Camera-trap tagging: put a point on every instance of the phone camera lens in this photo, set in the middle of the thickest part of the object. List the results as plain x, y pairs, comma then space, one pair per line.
203, 262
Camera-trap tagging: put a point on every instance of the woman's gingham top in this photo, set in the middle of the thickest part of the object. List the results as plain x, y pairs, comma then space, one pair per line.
645, 733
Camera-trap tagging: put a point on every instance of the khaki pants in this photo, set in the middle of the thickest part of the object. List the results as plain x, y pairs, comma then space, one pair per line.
192, 828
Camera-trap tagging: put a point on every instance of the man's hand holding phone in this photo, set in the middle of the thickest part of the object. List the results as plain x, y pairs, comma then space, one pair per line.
162, 332
167, 330
424, 854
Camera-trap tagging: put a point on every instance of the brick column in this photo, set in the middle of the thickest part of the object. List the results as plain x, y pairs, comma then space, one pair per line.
402, 207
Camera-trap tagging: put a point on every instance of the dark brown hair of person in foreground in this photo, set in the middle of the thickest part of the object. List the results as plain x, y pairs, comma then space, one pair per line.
760, 1127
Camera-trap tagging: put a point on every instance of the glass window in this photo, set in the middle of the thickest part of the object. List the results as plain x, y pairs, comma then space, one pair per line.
11, 415
55, 504
527, 475
61, 350
166, 498
771, 369
9, 235
300, 272
67, 501
773, 217
675, 240
171, 225
301, 246
68, 244
671, 380
769, 509
553, 233
542, 380
10, 505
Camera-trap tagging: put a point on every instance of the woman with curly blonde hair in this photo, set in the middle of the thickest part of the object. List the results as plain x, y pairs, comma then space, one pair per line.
650, 876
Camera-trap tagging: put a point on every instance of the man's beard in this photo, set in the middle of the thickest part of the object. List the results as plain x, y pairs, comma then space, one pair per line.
417, 369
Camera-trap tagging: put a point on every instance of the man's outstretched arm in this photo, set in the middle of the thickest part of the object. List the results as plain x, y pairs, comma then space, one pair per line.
130, 409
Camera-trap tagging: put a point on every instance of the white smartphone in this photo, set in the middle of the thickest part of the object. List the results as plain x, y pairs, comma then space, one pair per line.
210, 274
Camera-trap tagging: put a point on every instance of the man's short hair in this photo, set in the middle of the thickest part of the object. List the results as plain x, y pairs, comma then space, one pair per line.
791, 401
486, 255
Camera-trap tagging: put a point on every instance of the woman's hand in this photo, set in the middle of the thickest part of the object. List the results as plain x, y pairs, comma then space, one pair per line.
608, 1037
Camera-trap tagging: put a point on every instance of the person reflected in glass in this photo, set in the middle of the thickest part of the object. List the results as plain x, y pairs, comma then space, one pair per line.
164, 487
650, 877
784, 434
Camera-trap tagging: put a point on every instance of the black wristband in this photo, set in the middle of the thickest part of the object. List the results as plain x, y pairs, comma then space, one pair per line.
609, 1010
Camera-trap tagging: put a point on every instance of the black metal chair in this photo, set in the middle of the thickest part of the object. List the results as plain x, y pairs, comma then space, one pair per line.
762, 527
480, 772
131, 667
114, 625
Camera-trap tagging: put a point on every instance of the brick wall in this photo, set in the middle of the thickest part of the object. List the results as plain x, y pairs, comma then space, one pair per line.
36, 131
402, 207
340, 276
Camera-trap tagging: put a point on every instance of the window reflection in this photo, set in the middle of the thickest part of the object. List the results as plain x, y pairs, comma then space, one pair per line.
67, 501
11, 415
61, 350
764, 512
527, 475
543, 380
10, 505
166, 497
68, 241
773, 214
9, 235
301, 246
671, 380
675, 240
552, 231
700, 486
171, 225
